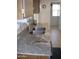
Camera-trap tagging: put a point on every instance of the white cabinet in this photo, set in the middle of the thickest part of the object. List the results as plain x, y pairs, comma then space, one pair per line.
24, 8
19, 7
28, 8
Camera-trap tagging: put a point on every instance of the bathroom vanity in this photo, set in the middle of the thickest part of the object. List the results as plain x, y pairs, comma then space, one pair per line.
35, 45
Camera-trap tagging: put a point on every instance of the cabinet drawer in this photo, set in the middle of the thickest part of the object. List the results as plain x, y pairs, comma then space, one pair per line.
32, 57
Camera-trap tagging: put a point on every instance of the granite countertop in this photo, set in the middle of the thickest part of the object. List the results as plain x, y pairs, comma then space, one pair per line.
30, 44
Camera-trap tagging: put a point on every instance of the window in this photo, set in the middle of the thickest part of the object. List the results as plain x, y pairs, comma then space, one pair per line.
56, 10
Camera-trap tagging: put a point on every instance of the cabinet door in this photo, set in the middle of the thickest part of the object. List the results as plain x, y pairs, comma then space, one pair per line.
27, 5
28, 8
36, 5
19, 7
33, 57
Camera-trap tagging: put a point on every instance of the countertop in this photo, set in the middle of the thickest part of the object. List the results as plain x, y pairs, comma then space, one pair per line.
33, 45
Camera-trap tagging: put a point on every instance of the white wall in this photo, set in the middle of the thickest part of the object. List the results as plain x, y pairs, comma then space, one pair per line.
45, 16
55, 21
56, 38
45, 13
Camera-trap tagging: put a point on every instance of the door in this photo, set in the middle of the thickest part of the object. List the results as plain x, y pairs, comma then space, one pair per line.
55, 14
